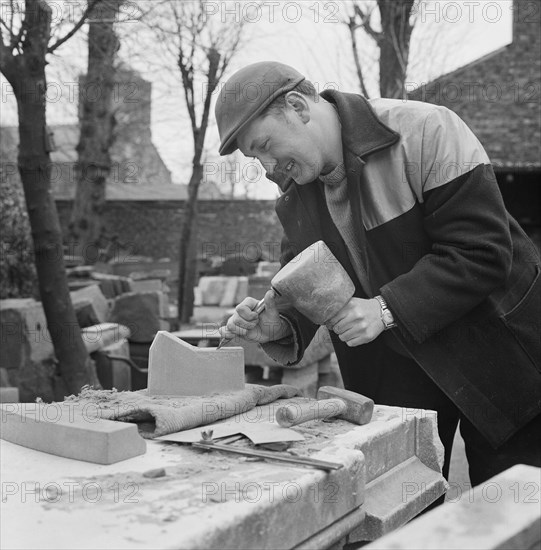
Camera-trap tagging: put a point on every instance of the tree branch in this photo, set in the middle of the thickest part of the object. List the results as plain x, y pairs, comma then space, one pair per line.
365, 22
352, 28
76, 27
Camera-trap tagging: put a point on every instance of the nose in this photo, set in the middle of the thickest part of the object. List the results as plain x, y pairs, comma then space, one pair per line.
268, 163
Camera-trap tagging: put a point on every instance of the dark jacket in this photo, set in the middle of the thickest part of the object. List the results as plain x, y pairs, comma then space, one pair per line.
458, 273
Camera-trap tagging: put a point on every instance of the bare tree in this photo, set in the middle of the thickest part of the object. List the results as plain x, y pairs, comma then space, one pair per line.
25, 44
393, 40
202, 46
97, 124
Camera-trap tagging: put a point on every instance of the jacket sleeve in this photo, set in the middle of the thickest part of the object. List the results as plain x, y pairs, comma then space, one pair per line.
467, 224
290, 350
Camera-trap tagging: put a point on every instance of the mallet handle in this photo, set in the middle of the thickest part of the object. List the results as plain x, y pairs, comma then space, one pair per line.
297, 413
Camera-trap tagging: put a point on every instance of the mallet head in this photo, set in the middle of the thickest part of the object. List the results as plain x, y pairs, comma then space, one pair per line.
359, 408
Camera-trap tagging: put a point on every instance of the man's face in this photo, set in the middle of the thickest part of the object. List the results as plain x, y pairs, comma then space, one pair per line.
284, 145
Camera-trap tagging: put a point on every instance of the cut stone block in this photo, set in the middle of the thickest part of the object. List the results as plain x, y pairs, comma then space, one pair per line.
27, 350
9, 395
503, 512
229, 293
63, 429
178, 368
144, 313
100, 336
197, 296
147, 284
114, 373
209, 314
112, 285
397, 496
95, 295
212, 289
85, 312
242, 289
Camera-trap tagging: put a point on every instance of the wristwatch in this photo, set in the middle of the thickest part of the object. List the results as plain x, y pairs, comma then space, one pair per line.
386, 316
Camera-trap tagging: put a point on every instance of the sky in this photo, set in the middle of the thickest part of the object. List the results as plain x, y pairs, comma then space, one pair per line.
306, 34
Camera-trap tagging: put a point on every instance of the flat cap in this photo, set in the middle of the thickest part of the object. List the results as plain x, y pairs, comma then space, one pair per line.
247, 94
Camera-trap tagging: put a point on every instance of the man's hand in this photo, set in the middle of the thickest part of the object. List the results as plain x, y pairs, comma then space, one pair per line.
358, 322
262, 328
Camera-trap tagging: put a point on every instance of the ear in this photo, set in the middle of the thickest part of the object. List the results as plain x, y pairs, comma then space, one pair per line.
298, 103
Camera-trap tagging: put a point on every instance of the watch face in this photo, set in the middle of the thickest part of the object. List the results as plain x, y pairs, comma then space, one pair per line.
387, 318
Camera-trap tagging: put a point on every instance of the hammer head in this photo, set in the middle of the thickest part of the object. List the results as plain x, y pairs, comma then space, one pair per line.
359, 408
315, 283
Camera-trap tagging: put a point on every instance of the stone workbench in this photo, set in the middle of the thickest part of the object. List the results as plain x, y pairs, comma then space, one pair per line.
215, 500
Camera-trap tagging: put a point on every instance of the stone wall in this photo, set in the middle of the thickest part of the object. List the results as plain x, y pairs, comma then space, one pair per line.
245, 229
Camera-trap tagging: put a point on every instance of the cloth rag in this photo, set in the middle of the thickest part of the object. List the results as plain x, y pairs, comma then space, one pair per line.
157, 416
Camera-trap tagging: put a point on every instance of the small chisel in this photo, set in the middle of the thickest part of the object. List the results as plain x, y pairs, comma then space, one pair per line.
260, 306
303, 461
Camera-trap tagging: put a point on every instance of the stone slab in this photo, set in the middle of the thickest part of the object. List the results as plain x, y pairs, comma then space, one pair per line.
404, 457
503, 512
396, 497
27, 353
178, 368
209, 314
212, 289
66, 431
144, 313
229, 293
205, 500
105, 334
95, 295
114, 373
112, 285
143, 285
85, 312
242, 289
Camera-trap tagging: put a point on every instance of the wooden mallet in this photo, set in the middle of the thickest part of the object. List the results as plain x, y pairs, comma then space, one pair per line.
331, 402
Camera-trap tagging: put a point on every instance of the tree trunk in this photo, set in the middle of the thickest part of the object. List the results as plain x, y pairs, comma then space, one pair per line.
394, 46
96, 137
187, 250
29, 85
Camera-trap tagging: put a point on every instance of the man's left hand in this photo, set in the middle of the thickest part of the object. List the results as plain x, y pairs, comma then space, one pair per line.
358, 322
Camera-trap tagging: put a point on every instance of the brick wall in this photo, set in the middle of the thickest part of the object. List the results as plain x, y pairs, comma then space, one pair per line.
243, 227
499, 96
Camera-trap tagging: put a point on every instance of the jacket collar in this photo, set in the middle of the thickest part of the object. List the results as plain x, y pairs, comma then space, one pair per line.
363, 133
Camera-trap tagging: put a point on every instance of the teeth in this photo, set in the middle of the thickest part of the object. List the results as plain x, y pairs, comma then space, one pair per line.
289, 166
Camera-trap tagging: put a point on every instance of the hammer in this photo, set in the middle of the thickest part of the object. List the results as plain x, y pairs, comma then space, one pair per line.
314, 282
332, 402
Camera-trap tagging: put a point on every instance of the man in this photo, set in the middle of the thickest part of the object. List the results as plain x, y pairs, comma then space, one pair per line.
447, 310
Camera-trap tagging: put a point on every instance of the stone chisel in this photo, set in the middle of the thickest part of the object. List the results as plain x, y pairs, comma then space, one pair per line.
304, 461
260, 306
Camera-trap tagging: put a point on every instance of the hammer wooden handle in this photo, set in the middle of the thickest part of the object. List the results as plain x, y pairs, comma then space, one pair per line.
297, 413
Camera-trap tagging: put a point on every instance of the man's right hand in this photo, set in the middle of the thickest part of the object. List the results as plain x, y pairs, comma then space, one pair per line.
247, 324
